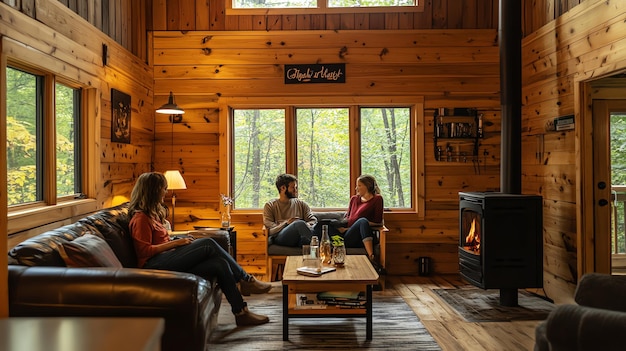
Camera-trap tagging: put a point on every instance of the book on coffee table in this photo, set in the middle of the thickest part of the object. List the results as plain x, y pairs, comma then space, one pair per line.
315, 272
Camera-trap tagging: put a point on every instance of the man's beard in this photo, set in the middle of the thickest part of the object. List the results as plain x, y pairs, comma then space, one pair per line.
290, 195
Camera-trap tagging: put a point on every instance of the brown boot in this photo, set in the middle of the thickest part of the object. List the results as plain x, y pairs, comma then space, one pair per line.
254, 287
247, 318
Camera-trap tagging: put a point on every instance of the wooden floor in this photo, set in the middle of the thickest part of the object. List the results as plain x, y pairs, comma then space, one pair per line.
450, 330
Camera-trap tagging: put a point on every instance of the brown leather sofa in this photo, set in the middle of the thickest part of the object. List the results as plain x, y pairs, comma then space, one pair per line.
596, 322
41, 284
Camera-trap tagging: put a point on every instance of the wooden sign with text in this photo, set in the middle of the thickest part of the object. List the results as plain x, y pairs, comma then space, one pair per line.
315, 73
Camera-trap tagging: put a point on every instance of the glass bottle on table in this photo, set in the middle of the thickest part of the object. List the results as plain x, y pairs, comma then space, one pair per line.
325, 247
315, 254
315, 247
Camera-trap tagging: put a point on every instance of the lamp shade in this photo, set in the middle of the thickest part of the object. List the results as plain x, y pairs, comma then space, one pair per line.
175, 180
170, 108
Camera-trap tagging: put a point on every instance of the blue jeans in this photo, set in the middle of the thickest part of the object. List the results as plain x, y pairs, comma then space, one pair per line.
297, 233
205, 258
357, 233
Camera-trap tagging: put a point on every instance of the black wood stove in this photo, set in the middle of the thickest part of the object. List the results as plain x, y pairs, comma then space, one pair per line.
501, 242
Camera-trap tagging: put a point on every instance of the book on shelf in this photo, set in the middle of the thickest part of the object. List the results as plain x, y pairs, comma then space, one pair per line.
341, 295
315, 272
343, 299
345, 304
308, 302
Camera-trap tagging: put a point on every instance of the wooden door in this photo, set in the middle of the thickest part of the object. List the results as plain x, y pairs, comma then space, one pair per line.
604, 196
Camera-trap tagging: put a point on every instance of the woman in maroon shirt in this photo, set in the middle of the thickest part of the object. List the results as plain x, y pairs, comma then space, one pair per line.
364, 211
203, 257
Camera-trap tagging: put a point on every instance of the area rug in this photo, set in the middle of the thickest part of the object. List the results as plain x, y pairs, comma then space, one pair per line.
395, 327
478, 305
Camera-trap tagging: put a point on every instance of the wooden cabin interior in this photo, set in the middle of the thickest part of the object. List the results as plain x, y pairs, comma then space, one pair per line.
440, 54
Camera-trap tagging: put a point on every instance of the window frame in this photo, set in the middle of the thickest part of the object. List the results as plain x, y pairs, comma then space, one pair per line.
321, 9
20, 216
416, 103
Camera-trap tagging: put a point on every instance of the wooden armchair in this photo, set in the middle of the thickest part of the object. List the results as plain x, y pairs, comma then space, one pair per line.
277, 254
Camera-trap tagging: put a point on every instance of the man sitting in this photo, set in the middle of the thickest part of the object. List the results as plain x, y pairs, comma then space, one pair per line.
288, 220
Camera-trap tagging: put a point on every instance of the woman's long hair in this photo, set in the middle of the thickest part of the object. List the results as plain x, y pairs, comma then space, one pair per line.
370, 183
147, 196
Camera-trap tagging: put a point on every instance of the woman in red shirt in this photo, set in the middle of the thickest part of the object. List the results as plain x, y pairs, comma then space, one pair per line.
203, 257
364, 211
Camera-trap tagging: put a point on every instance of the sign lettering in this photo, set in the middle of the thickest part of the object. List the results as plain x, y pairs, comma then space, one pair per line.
315, 73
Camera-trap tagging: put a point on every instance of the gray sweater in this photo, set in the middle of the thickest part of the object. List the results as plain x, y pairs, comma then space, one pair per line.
276, 214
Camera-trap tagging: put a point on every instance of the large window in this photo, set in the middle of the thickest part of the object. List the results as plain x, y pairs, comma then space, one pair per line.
33, 170
327, 148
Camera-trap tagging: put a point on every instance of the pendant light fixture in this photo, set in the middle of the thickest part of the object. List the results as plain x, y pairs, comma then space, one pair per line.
170, 108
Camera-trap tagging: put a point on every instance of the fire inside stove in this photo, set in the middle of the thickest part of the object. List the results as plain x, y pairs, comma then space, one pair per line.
471, 225
472, 240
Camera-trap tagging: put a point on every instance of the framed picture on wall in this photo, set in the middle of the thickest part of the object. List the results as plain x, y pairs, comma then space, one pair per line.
120, 117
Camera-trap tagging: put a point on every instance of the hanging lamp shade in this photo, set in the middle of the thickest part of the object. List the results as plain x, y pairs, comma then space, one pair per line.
175, 180
170, 108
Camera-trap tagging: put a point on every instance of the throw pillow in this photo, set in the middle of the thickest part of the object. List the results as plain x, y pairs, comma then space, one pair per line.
88, 251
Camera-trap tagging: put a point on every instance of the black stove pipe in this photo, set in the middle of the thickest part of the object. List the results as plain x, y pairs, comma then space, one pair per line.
510, 43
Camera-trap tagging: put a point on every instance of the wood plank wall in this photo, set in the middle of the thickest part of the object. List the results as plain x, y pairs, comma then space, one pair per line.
446, 58
587, 42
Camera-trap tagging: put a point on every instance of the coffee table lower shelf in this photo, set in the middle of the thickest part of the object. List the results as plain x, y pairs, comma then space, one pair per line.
289, 311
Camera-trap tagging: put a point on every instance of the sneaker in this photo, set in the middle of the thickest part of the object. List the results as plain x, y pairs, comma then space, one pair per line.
247, 318
254, 287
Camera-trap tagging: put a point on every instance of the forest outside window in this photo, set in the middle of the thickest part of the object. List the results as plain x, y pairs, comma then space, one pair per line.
41, 166
326, 148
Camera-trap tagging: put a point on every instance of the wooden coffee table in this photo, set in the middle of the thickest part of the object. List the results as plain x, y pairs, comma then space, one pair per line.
356, 275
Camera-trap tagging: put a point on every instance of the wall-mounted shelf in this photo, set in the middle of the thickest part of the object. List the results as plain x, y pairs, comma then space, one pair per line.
456, 134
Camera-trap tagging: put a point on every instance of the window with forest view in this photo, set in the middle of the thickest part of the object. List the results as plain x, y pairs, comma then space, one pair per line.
259, 155
618, 181
286, 4
323, 142
323, 156
27, 139
386, 152
67, 139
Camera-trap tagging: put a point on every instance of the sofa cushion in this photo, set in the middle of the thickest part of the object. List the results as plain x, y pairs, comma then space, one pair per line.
43, 249
88, 251
112, 224
335, 219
